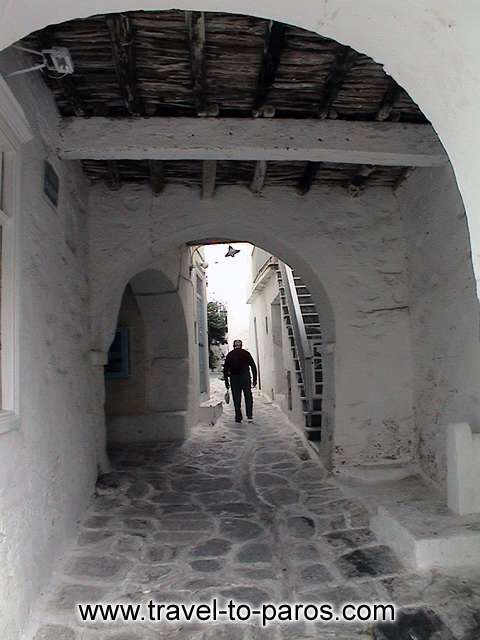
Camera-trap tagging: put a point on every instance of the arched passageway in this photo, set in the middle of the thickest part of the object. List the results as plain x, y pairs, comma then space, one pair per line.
389, 268
148, 373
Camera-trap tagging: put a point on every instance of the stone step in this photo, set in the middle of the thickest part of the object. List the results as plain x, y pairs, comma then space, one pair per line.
411, 516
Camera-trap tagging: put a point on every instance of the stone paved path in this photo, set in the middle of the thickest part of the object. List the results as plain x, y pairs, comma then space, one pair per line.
241, 511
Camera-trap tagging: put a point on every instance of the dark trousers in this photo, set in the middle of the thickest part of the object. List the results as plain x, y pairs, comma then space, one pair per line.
239, 384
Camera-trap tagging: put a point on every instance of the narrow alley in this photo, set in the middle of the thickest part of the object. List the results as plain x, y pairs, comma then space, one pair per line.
243, 512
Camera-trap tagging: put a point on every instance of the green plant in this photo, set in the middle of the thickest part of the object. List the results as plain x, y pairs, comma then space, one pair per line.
217, 328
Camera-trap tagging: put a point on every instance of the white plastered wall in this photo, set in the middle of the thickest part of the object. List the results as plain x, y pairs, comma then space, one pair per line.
48, 465
444, 313
261, 311
350, 249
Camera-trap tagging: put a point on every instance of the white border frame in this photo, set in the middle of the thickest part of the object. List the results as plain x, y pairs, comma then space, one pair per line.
14, 132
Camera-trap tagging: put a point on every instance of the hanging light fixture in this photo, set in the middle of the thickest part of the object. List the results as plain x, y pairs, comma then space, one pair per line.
231, 253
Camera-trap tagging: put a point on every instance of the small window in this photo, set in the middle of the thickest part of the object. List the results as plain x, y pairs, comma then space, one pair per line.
266, 325
118, 366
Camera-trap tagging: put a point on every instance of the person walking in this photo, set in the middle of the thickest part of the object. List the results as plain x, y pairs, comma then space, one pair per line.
236, 374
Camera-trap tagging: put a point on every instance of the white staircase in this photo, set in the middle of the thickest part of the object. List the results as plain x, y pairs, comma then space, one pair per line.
303, 327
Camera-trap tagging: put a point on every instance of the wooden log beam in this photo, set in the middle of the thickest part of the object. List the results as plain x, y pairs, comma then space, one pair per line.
392, 94
66, 84
359, 181
308, 177
272, 50
406, 173
121, 39
157, 175
209, 175
259, 176
344, 60
372, 143
195, 24
113, 178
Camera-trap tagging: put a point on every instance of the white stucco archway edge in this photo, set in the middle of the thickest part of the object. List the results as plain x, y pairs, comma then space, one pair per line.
431, 47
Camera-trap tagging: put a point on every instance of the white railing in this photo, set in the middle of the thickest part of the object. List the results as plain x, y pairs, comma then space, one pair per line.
302, 344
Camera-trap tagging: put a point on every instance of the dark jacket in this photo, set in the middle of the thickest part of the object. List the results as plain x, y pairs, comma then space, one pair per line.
238, 363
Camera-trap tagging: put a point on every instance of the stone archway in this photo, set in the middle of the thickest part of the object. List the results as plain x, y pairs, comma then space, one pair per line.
414, 41
150, 226
150, 249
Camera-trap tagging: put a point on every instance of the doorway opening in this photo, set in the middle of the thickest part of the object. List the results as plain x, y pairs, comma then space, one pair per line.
271, 310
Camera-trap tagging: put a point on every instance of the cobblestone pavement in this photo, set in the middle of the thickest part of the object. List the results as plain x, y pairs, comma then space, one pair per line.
241, 511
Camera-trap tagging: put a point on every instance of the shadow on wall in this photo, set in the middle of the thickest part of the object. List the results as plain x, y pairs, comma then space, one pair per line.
147, 377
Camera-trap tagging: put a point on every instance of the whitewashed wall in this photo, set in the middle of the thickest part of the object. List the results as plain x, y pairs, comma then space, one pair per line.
444, 313
262, 313
48, 466
351, 254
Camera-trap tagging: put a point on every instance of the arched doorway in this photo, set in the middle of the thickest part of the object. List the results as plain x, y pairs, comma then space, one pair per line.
147, 376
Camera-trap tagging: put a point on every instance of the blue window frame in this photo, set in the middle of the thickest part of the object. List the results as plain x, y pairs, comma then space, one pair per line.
118, 366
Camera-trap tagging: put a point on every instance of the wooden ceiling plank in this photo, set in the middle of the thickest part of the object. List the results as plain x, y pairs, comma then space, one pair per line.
121, 33
344, 60
272, 51
259, 176
308, 177
209, 176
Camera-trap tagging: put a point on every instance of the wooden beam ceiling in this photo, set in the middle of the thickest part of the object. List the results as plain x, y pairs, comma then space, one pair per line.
122, 41
344, 60
337, 141
274, 42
